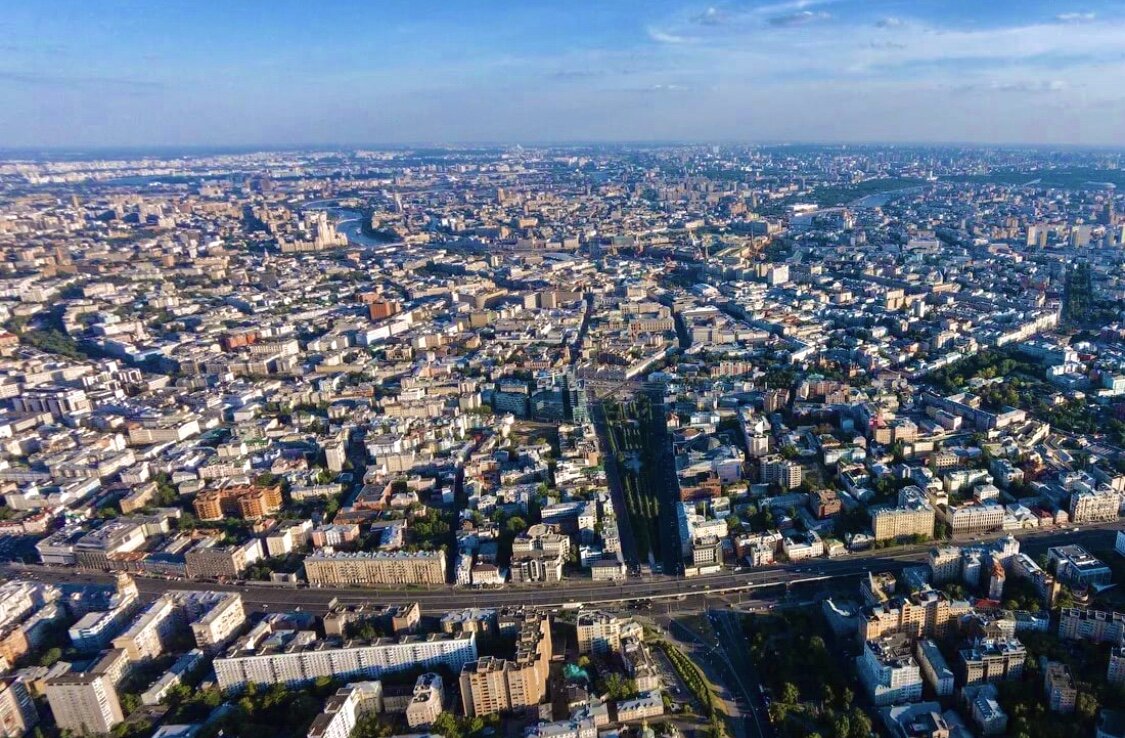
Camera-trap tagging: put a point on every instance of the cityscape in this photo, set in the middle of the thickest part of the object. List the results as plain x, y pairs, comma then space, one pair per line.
528, 420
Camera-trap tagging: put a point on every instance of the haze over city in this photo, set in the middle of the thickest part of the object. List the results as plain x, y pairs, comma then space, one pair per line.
121, 73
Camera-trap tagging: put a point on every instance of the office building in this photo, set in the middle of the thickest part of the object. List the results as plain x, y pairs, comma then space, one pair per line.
1075, 567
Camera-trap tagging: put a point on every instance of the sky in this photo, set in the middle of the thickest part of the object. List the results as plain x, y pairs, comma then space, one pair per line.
137, 73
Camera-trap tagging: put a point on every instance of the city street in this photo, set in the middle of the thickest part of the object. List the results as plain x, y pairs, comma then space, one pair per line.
574, 593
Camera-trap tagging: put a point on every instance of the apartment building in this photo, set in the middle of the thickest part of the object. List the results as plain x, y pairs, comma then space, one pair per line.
17, 710
945, 564
223, 616
491, 685
249, 502
1076, 624
150, 633
889, 670
343, 710
300, 657
991, 660
84, 702
211, 617
426, 703
782, 472
601, 632
934, 667
1058, 686
210, 558
375, 567
1115, 673
928, 613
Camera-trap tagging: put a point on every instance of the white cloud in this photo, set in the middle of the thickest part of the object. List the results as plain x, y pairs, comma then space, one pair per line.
1075, 17
664, 37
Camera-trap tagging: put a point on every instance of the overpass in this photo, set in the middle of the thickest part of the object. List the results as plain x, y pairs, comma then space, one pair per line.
265, 596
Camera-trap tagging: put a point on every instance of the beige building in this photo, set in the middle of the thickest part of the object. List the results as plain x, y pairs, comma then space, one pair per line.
492, 685
913, 516
147, 636
1095, 506
945, 564
601, 632
991, 660
220, 622
778, 470
85, 703
972, 518
210, 559
1059, 688
377, 567
426, 703
927, 614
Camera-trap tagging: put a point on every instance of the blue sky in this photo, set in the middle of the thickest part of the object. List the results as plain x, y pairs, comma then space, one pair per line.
85, 73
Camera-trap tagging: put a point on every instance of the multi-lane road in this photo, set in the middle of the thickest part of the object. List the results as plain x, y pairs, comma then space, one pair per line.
573, 593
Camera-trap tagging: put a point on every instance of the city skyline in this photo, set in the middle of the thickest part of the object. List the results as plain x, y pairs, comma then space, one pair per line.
179, 75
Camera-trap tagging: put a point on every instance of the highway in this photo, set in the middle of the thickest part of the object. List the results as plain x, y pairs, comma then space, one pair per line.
258, 595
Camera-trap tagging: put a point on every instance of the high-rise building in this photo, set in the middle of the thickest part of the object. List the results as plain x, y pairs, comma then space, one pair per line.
84, 702
491, 685
889, 670
17, 710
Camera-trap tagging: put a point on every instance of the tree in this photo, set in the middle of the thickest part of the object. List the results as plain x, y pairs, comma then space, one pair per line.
617, 687
1086, 707
842, 728
860, 724
50, 657
790, 695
